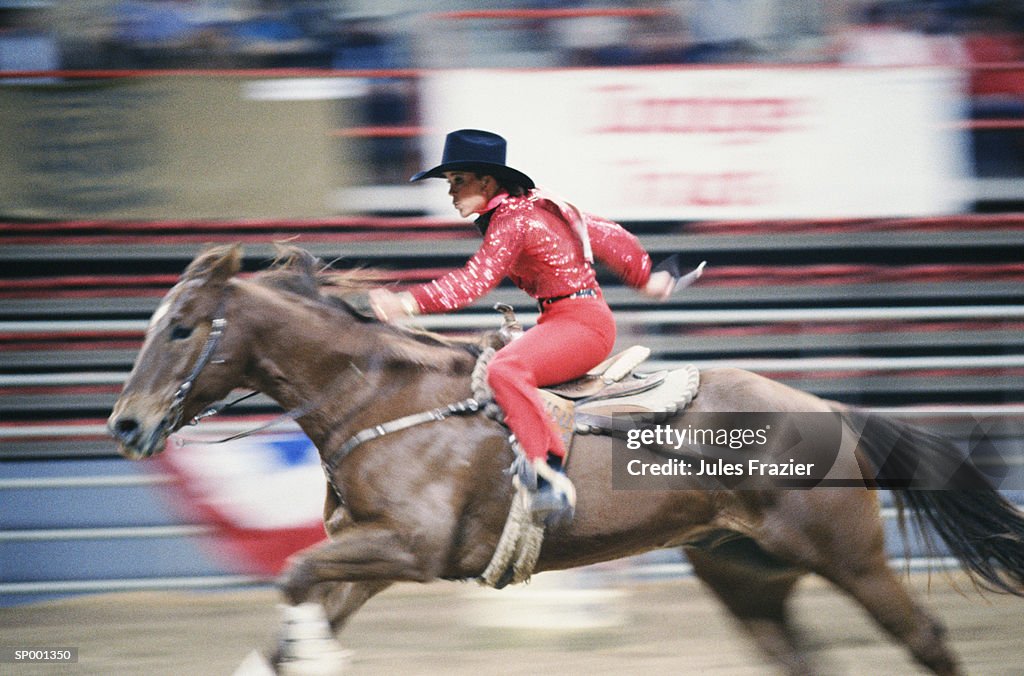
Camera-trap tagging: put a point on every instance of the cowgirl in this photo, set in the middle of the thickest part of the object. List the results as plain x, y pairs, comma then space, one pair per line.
547, 248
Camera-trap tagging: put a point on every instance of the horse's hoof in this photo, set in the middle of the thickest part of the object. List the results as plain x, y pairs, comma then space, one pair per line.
325, 664
254, 664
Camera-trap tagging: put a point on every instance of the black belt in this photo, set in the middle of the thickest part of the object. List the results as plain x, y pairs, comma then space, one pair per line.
582, 293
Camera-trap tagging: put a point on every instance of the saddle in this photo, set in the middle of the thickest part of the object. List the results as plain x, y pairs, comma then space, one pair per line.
592, 404
619, 390
595, 403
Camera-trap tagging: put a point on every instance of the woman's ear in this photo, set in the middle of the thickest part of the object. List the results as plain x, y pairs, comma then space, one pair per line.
490, 185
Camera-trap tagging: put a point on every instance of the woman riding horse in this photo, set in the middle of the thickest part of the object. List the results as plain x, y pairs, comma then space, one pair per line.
404, 507
547, 248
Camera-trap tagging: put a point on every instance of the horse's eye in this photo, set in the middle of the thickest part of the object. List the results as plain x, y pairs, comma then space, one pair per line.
180, 332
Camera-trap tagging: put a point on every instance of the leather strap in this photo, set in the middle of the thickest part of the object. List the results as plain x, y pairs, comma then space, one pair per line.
331, 462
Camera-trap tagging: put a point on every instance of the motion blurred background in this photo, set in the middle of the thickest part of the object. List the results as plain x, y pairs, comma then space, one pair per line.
852, 172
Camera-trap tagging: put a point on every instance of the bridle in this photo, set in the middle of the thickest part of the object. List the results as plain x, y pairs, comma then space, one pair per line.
177, 407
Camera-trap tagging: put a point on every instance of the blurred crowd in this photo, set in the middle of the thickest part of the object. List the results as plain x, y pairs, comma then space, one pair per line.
90, 34
396, 34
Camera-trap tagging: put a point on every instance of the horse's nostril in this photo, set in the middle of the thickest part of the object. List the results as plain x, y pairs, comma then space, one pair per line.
125, 429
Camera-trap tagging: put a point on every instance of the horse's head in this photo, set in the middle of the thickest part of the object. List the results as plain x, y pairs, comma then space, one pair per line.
174, 374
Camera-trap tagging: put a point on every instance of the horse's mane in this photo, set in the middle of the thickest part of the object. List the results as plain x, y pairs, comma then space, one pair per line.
298, 272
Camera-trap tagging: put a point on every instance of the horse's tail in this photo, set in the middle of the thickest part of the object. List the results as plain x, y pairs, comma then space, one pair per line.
929, 474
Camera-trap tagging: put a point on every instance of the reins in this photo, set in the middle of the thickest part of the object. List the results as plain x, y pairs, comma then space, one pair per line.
293, 414
176, 409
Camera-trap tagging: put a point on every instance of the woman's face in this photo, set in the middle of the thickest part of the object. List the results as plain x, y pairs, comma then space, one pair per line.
470, 193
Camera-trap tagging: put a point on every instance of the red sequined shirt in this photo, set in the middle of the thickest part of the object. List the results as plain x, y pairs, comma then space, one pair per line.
529, 241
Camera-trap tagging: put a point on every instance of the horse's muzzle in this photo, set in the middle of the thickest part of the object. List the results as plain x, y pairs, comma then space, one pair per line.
135, 440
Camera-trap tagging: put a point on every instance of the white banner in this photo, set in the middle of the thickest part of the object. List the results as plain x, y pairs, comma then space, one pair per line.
710, 143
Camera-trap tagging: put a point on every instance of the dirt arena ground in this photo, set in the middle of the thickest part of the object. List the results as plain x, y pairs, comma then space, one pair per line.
446, 628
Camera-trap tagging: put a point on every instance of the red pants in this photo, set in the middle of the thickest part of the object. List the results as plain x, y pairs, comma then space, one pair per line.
571, 337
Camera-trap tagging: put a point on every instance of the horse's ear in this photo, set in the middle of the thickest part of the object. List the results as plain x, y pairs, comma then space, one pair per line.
216, 265
359, 303
294, 258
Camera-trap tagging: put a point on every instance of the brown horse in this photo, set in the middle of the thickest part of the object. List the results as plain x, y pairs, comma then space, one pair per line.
430, 501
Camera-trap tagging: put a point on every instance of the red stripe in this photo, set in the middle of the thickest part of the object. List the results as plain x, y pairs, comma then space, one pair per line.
533, 14
274, 73
230, 238
370, 222
762, 227
60, 389
380, 132
849, 329
988, 124
63, 345
826, 374
91, 280
190, 230
737, 276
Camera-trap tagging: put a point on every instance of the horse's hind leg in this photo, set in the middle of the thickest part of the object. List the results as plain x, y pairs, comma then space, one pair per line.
755, 589
880, 591
838, 534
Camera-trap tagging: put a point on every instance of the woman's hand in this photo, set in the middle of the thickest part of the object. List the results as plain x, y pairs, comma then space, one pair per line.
389, 306
659, 285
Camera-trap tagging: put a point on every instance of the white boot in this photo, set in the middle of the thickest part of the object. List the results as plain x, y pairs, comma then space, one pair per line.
307, 646
554, 502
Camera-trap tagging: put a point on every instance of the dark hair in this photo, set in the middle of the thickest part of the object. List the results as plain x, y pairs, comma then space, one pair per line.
513, 188
507, 183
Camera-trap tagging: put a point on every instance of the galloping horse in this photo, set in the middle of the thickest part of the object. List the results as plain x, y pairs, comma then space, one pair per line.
430, 501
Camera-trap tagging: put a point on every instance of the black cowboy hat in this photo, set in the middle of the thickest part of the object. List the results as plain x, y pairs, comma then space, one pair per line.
476, 150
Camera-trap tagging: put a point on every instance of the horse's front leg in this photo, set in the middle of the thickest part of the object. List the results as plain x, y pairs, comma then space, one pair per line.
325, 584
306, 642
343, 599
359, 553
